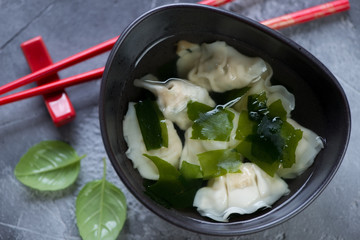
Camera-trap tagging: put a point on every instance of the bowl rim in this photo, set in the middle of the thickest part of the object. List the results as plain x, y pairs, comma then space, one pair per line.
268, 31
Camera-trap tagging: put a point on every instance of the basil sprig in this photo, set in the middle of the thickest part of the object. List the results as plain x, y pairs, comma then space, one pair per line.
100, 209
54, 165
48, 166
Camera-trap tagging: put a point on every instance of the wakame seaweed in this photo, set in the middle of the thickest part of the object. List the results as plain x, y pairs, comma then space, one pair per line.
152, 124
267, 139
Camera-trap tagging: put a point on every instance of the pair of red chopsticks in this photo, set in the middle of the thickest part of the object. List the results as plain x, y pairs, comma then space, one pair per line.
275, 23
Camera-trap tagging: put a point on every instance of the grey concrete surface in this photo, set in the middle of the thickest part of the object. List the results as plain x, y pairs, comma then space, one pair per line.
70, 26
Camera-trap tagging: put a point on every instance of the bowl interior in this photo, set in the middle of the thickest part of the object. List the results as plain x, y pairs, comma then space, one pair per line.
148, 46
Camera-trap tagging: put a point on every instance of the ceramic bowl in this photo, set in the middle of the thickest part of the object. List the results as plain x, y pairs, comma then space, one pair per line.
148, 46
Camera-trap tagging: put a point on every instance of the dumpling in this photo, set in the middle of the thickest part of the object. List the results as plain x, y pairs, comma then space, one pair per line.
241, 193
192, 147
273, 93
173, 96
218, 67
189, 53
308, 148
136, 146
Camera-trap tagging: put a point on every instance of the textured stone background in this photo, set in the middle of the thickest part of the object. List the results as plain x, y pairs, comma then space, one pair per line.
70, 26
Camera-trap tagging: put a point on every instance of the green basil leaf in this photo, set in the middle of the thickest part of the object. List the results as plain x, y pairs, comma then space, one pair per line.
152, 124
100, 210
219, 162
210, 124
172, 189
48, 166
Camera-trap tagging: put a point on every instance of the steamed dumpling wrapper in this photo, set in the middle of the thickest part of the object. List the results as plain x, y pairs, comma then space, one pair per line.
173, 96
217, 66
308, 148
273, 93
241, 193
136, 146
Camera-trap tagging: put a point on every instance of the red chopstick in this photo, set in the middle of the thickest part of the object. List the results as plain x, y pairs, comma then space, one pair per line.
308, 14
214, 3
67, 62
276, 23
79, 57
53, 86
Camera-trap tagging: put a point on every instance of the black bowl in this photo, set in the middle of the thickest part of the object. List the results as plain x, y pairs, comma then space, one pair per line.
148, 46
